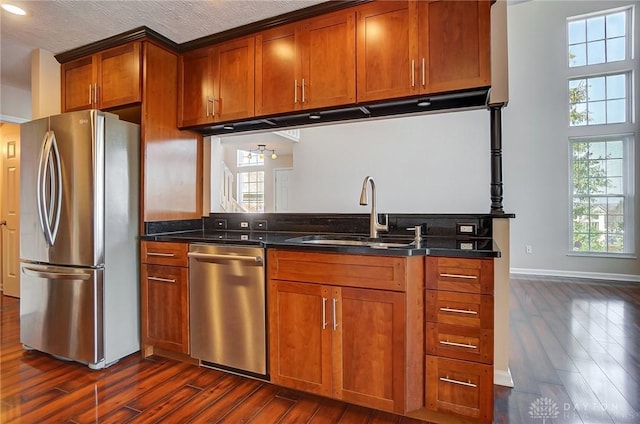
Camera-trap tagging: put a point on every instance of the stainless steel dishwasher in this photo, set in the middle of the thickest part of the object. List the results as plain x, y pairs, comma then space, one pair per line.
227, 317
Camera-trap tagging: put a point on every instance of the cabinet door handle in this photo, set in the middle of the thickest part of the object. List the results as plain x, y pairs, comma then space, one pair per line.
164, 280
423, 73
413, 73
335, 317
90, 94
466, 277
448, 343
324, 313
295, 91
459, 311
95, 93
303, 93
213, 106
165, 255
462, 383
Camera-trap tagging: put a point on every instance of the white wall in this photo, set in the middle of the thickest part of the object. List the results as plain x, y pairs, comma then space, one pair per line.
536, 162
421, 164
15, 104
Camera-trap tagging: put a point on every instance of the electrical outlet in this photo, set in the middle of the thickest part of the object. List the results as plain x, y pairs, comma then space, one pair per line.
528, 249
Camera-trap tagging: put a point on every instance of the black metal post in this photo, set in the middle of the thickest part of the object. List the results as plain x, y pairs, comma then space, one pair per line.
496, 160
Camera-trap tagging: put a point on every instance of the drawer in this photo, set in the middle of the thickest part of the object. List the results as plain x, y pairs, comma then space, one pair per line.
460, 274
164, 253
459, 387
455, 308
372, 272
458, 342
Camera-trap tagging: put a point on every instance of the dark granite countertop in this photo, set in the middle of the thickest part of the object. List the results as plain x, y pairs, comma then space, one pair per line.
430, 245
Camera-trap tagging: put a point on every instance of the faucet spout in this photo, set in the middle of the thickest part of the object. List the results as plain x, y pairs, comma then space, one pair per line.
374, 225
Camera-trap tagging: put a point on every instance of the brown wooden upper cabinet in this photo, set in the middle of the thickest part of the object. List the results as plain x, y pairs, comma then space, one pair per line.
104, 80
217, 83
306, 65
422, 47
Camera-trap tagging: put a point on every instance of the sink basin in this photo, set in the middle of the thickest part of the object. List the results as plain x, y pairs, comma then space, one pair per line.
350, 241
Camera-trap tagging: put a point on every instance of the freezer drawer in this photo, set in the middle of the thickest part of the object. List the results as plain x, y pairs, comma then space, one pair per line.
61, 312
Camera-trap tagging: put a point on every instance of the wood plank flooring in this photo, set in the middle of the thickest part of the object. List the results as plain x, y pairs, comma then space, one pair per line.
575, 358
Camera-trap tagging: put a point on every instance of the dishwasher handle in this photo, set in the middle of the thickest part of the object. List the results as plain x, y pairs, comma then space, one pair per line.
212, 257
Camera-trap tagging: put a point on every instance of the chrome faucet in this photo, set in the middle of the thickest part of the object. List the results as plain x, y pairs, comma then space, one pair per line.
374, 225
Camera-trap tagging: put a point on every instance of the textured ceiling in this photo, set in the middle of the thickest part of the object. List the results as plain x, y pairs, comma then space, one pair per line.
61, 25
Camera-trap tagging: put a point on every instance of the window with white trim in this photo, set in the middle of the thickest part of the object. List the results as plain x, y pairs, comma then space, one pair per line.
250, 180
602, 132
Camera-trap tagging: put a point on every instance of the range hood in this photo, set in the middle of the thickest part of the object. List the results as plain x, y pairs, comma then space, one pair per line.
472, 99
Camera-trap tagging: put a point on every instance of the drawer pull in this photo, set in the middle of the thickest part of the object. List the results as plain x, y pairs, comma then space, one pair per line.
467, 277
461, 383
459, 311
468, 345
164, 280
165, 255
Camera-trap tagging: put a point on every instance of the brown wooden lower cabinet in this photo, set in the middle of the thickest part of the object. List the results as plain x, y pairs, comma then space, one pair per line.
164, 293
459, 336
348, 343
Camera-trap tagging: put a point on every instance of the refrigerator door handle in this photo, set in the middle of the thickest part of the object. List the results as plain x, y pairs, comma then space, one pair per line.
54, 275
49, 163
41, 187
57, 206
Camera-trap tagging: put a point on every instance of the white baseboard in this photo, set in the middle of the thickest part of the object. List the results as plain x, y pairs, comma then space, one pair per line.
577, 274
503, 378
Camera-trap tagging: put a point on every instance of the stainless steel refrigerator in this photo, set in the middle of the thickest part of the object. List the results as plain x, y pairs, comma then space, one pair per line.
79, 295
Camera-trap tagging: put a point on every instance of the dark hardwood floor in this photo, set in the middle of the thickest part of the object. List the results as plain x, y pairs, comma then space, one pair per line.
575, 358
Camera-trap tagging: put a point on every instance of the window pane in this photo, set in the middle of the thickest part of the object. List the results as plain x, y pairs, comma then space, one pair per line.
578, 114
615, 205
595, 28
596, 89
577, 31
597, 113
580, 150
616, 49
616, 86
598, 149
616, 111
616, 25
614, 149
578, 55
614, 185
595, 52
614, 167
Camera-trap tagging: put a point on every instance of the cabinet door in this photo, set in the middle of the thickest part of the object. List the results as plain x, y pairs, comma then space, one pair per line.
387, 48
368, 348
329, 60
277, 69
234, 80
119, 82
78, 77
300, 336
165, 310
454, 44
195, 101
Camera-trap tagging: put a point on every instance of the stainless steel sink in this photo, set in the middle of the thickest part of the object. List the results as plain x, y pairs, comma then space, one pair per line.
350, 241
